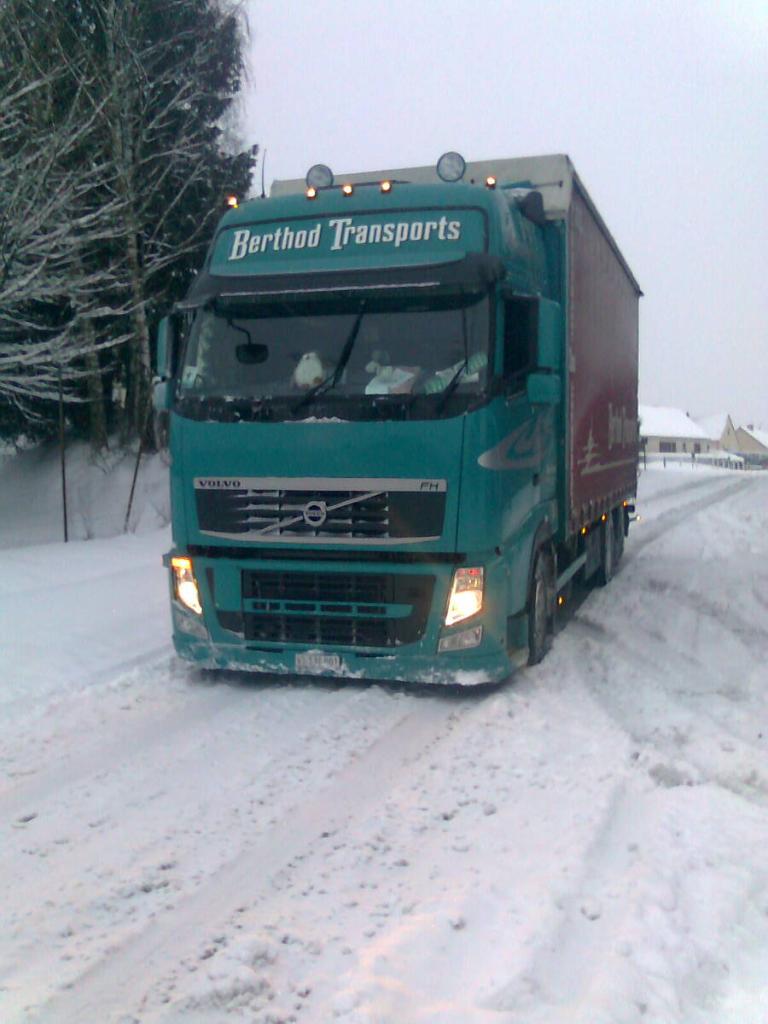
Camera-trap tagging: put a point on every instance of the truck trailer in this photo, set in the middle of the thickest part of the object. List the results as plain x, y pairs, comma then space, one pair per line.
403, 417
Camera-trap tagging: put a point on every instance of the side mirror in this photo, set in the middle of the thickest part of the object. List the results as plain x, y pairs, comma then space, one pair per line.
166, 348
549, 342
543, 388
162, 394
532, 207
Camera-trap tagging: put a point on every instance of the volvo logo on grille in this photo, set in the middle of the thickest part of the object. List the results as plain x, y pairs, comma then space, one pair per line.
315, 513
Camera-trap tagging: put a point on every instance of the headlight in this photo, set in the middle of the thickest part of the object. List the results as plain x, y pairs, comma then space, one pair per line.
466, 595
185, 584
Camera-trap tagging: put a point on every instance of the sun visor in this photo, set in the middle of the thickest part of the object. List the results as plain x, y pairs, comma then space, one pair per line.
476, 272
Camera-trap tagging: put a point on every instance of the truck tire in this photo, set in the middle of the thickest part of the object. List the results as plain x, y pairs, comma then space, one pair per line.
604, 573
618, 536
541, 607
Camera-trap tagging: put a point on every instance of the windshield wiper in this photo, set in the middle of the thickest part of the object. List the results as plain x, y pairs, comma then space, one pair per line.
334, 377
453, 383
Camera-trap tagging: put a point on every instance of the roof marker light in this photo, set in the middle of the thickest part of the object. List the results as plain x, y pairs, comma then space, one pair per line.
232, 202
490, 181
311, 192
347, 189
386, 186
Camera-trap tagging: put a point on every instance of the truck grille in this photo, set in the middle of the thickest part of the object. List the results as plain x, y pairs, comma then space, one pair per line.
382, 511
333, 608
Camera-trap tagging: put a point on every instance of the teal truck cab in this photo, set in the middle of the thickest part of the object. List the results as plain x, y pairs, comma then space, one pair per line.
403, 415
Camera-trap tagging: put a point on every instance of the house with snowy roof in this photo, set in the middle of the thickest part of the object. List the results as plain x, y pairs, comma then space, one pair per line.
719, 428
669, 433
752, 443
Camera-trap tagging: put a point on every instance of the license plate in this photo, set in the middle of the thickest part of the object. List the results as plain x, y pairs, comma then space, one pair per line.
316, 661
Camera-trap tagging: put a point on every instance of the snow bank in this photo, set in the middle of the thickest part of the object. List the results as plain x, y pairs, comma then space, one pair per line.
98, 489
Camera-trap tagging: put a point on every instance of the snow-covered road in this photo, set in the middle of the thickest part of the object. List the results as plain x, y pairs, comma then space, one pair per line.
586, 843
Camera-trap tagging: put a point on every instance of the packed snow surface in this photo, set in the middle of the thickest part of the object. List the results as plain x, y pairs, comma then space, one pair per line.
584, 844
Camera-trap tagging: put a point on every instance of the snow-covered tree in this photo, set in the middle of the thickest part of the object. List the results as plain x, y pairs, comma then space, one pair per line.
47, 294
165, 73
123, 181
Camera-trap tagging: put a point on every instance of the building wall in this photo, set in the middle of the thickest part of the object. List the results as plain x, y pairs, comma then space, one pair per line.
729, 441
755, 453
678, 445
749, 444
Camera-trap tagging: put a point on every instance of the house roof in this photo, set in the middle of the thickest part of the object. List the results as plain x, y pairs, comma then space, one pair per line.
713, 426
665, 421
759, 435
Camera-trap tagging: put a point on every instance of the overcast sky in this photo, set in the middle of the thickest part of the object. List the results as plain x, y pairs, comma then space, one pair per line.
662, 106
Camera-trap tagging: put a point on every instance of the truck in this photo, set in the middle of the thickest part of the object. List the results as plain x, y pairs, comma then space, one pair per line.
402, 408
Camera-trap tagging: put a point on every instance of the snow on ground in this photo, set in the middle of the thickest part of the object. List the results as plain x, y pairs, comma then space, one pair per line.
98, 489
582, 845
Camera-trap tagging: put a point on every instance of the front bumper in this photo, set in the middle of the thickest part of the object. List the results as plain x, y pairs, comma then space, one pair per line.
220, 638
466, 669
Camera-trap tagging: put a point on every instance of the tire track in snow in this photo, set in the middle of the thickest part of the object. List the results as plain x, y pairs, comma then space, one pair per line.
681, 488
697, 749
122, 975
25, 783
715, 737
140, 728
723, 615
65, 881
667, 521
616, 954
107, 675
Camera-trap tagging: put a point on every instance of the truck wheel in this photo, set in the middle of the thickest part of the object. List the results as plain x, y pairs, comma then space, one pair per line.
541, 608
607, 552
618, 536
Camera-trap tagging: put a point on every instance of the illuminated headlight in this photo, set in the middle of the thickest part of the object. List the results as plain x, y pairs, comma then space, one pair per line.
461, 641
185, 584
466, 595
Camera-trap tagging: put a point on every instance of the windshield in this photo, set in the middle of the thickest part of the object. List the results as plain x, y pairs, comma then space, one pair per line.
310, 353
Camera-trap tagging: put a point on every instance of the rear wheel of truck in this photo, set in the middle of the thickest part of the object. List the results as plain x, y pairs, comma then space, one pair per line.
604, 574
541, 607
618, 536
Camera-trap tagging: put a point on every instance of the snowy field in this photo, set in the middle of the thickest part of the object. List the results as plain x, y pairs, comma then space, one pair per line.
585, 844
